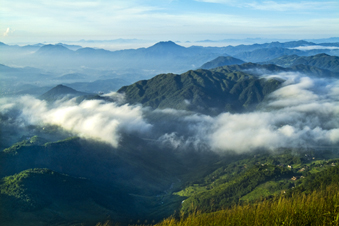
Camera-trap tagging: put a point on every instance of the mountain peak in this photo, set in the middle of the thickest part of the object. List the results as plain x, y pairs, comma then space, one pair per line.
322, 55
166, 44
221, 61
60, 91
53, 49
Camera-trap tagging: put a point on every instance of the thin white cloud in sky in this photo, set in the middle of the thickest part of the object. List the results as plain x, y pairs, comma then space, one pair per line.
6, 32
217, 1
292, 6
164, 20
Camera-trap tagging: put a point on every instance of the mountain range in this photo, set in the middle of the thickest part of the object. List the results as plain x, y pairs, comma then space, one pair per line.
322, 61
47, 64
232, 88
54, 176
159, 58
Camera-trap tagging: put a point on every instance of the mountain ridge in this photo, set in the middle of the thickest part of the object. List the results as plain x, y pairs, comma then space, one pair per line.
204, 91
322, 61
221, 61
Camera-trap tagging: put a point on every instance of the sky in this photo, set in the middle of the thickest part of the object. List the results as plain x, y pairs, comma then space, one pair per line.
34, 21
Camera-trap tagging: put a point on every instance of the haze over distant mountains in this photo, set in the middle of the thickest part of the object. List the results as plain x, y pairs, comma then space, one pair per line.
322, 61
69, 64
221, 61
159, 58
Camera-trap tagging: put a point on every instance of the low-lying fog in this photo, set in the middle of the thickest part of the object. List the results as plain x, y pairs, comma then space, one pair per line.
304, 112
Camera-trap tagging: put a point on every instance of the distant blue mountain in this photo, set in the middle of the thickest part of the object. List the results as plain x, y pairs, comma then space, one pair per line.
221, 61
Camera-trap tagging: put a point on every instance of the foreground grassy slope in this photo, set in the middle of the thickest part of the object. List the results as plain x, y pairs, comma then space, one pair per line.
254, 177
318, 208
314, 201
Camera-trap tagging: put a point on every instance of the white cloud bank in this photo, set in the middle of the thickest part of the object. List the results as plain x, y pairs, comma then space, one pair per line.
93, 119
303, 113
306, 48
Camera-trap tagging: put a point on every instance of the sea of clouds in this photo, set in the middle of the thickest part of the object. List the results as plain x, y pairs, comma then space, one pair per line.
304, 112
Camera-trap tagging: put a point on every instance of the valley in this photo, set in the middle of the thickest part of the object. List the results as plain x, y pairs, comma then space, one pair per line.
167, 134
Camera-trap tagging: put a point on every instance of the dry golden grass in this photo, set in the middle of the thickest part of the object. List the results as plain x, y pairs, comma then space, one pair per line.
317, 208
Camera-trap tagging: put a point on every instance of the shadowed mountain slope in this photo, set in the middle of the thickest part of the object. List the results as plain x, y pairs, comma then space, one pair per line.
45, 197
202, 91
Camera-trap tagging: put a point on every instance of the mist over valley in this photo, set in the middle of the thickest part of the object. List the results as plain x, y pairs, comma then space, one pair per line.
136, 130
138, 135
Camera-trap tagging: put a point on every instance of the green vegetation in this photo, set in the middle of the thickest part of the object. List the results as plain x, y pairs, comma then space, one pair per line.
204, 91
254, 177
45, 197
318, 208
232, 88
314, 201
150, 186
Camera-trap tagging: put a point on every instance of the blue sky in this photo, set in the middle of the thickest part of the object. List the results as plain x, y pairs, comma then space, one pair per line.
53, 21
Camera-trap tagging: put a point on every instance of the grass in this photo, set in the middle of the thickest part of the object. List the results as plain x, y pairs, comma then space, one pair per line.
319, 208
263, 190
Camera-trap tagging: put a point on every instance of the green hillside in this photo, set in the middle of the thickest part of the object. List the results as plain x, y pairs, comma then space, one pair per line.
145, 168
263, 175
202, 91
317, 208
142, 183
141, 176
232, 88
291, 187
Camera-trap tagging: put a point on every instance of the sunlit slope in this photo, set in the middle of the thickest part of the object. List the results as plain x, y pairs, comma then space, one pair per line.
262, 176
317, 208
